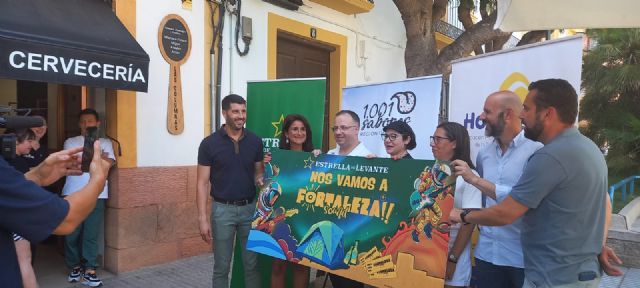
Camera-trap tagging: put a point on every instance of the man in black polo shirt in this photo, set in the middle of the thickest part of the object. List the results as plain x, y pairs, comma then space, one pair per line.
231, 161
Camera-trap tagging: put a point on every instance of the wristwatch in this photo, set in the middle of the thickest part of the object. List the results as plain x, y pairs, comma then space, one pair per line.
464, 214
452, 258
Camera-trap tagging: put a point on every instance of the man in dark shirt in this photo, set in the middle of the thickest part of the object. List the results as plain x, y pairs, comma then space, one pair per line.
29, 210
230, 160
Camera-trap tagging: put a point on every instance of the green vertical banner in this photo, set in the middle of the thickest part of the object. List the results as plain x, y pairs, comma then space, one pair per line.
268, 103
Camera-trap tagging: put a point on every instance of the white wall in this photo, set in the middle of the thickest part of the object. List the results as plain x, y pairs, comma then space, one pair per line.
156, 147
381, 29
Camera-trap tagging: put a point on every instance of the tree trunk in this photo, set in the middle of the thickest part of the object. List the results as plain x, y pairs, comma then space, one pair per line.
421, 54
421, 51
498, 42
479, 34
532, 37
464, 16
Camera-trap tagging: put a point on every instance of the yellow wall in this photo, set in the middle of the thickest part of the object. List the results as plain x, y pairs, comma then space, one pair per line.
208, 39
442, 41
337, 61
121, 105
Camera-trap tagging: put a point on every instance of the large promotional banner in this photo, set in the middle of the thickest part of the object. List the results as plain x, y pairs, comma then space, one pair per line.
269, 102
474, 78
378, 221
415, 101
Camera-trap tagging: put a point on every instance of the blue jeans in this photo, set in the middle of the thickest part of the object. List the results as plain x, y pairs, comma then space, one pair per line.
227, 223
82, 243
488, 275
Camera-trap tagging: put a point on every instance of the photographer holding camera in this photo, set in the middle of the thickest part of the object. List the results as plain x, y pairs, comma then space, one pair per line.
32, 212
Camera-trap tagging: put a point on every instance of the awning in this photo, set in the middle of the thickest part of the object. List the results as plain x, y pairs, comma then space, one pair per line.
78, 42
526, 15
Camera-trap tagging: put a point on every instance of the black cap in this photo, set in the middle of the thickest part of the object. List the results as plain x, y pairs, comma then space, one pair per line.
404, 129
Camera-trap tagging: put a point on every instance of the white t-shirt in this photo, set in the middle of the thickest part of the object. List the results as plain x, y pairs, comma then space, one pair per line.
465, 196
75, 183
360, 150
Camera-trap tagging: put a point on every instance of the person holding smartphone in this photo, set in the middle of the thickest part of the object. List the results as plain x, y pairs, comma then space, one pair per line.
81, 246
32, 212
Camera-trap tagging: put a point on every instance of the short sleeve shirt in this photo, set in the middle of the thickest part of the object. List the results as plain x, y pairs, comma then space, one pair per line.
360, 151
466, 196
36, 156
232, 163
75, 183
28, 210
564, 185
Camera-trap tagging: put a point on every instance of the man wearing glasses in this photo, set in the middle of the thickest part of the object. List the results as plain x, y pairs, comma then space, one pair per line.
345, 131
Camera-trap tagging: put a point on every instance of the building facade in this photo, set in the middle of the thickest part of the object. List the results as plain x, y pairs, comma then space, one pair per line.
151, 215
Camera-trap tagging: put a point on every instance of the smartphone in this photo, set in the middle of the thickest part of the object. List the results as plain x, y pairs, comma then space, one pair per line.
90, 137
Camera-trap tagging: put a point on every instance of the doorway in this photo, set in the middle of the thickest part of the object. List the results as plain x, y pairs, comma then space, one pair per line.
302, 58
335, 44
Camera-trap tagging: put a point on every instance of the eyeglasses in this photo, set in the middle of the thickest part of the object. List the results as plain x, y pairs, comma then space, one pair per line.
341, 128
391, 137
434, 140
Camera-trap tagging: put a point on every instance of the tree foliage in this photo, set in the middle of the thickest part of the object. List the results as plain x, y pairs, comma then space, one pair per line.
610, 108
420, 18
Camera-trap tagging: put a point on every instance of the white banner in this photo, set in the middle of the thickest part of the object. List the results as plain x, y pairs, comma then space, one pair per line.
474, 78
415, 101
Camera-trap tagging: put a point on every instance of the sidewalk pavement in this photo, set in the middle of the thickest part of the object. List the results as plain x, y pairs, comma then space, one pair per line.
196, 272
191, 272
630, 279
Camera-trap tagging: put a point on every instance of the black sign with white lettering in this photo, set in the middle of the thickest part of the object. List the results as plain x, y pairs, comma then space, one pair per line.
57, 64
175, 40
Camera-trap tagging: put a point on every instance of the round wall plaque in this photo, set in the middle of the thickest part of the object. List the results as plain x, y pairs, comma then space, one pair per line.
174, 41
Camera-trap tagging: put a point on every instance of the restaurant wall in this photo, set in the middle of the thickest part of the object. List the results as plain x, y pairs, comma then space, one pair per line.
156, 147
380, 31
151, 211
150, 217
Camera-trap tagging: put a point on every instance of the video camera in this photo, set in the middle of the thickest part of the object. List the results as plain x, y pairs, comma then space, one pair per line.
10, 120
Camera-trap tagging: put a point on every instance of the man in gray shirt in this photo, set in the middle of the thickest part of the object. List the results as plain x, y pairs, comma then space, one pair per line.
561, 193
498, 255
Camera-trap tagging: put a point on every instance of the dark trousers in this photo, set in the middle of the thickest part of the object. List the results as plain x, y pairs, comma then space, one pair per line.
487, 275
341, 282
82, 243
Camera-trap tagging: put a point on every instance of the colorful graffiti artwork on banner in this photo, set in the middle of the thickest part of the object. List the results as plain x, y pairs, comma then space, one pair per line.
379, 221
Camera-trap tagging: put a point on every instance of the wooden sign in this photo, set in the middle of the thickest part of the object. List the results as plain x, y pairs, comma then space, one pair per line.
174, 41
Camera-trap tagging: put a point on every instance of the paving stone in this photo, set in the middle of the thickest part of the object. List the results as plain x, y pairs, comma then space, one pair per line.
195, 272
